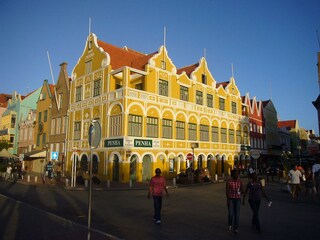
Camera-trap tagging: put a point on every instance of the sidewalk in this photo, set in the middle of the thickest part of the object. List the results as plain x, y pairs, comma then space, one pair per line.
31, 178
36, 179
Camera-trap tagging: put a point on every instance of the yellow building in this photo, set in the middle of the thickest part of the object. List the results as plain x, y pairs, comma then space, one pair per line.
152, 115
41, 149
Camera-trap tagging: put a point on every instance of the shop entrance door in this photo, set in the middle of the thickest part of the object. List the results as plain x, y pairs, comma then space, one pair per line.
146, 168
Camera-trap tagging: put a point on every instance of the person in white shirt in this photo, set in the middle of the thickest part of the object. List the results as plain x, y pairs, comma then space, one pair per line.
9, 172
295, 176
316, 175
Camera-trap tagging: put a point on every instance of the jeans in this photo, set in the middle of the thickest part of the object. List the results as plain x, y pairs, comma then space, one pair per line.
234, 212
157, 203
58, 176
255, 205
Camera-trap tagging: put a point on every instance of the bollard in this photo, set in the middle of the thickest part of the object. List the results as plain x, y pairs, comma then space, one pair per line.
174, 182
28, 178
36, 179
130, 183
108, 183
86, 183
67, 182
216, 177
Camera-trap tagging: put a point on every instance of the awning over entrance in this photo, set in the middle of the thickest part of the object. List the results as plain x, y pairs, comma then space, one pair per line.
33, 155
6, 154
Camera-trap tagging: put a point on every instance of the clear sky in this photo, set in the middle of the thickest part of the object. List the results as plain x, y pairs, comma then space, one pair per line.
272, 45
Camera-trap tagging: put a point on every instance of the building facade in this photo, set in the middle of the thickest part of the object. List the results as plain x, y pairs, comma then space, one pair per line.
17, 109
254, 110
59, 115
152, 115
42, 125
274, 148
4, 99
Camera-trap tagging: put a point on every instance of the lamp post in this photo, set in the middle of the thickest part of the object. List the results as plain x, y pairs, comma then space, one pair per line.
46, 147
94, 141
193, 146
191, 176
299, 148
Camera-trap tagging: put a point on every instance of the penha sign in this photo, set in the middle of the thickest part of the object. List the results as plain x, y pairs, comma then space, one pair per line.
143, 143
113, 143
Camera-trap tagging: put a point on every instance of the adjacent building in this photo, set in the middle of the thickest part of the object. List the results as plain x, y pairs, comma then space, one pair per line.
17, 109
254, 110
273, 146
59, 116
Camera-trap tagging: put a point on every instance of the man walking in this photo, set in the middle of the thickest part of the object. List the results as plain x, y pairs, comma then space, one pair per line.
157, 185
295, 176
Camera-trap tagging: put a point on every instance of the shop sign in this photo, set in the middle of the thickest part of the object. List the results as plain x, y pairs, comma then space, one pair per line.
143, 143
245, 147
113, 143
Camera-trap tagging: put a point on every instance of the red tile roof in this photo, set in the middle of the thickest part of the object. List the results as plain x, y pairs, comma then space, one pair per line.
188, 69
289, 124
4, 98
125, 56
223, 84
51, 86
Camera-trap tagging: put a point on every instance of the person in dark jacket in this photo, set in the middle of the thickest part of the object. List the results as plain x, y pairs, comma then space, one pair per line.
255, 189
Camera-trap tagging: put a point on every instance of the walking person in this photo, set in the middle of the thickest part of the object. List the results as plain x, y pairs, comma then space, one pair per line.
157, 186
9, 172
58, 171
49, 169
234, 188
310, 184
254, 188
316, 174
295, 175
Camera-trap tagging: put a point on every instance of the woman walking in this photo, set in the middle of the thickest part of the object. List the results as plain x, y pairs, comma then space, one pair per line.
310, 184
234, 188
254, 188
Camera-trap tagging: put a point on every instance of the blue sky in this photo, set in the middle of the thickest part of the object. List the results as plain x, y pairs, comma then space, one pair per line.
272, 44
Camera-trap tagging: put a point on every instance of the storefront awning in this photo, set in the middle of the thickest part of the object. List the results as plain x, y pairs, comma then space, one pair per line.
34, 155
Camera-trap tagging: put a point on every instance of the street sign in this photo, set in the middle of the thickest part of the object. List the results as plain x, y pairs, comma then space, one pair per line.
54, 155
94, 134
190, 156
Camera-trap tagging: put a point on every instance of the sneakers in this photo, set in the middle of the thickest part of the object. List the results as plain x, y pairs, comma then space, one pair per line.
158, 222
235, 231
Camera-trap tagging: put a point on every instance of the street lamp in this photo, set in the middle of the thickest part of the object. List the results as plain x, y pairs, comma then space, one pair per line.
193, 146
190, 175
299, 148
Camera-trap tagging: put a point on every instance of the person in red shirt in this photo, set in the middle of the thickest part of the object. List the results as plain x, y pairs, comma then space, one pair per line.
234, 188
157, 185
